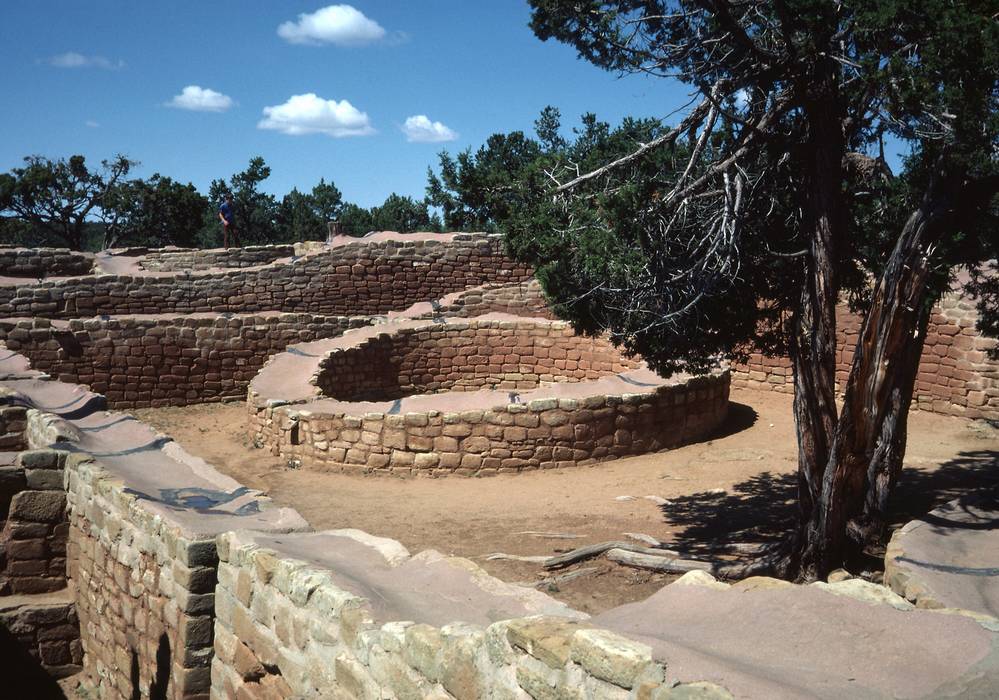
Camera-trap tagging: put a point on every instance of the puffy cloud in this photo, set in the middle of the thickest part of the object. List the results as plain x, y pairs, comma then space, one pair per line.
199, 99
311, 114
420, 129
334, 24
72, 59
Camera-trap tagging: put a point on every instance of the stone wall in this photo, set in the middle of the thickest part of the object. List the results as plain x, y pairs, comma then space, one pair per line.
361, 278
44, 262
144, 591
519, 299
956, 376
12, 425
508, 438
288, 628
34, 533
45, 632
193, 259
170, 361
465, 356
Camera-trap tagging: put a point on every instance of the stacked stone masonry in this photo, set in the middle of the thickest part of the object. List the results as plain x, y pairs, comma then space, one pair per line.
465, 357
362, 278
44, 262
144, 592
167, 361
286, 628
513, 421
34, 531
510, 438
194, 259
47, 630
956, 376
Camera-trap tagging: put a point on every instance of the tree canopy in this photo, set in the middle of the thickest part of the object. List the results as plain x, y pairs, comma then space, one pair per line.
770, 200
60, 197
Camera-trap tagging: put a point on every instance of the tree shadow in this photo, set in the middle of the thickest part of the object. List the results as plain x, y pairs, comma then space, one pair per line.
158, 686
764, 508
740, 417
23, 675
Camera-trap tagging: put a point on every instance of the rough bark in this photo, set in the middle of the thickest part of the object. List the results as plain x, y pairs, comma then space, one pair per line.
813, 337
868, 444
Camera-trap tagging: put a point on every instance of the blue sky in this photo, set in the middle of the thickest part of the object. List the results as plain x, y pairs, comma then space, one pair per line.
98, 77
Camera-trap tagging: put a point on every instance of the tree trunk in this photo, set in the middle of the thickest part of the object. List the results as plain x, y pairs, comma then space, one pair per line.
868, 444
813, 334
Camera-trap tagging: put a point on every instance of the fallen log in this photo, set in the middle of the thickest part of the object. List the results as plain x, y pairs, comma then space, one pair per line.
593, 550
561, 578
534, 559
653, 562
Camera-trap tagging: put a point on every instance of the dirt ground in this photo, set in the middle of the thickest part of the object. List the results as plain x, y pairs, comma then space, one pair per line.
737, 487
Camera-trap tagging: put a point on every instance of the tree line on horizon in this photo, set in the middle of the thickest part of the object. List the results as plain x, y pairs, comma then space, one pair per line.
67, 203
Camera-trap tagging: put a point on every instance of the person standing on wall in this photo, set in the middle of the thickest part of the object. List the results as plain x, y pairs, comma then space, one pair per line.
227, 217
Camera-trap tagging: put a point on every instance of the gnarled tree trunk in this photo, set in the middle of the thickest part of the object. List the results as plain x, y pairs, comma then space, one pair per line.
868, 443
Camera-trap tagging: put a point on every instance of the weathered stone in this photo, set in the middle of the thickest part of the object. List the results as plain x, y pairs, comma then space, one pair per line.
609, 656
38, 506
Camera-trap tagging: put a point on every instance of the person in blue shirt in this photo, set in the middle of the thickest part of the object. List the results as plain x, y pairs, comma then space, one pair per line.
226, 216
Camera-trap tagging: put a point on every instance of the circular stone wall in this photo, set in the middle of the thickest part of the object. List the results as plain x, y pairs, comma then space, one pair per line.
488, 395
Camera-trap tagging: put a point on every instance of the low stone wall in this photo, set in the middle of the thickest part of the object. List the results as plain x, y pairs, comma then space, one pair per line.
193, 259
518, 299
362, 278
289, 628
956, 376
46, 632
171, 361
12, 425
541, 434
34, 533
144, 591
464, 356
44, 262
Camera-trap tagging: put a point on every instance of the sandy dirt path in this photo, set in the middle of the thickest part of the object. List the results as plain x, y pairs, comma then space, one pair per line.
738, 486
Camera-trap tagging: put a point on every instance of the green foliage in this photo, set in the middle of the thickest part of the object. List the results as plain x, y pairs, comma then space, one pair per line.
396, 213
474, 190
831, 80
403, 214
255, 212
58, 199
355, 220
156, 212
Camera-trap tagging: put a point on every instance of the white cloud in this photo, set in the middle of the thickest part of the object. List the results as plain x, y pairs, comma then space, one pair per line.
199, 99
72, 59
420, 129
91, 124
311, 114
335, 24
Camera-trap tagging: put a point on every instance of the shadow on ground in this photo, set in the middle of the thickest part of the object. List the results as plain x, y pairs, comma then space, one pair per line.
763, 508
23, 676
740, 417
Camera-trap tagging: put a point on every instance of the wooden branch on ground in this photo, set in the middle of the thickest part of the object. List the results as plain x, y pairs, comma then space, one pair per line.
500, 556
653, 562
593, 550
562, 578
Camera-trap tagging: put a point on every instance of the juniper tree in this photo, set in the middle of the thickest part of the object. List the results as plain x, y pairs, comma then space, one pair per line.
770, 201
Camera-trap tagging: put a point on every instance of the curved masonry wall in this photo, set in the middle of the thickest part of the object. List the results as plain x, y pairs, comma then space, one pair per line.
44, 262
191, 592
165, 361
361, 278
437, 358
613, 408
956, 375
195, 259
